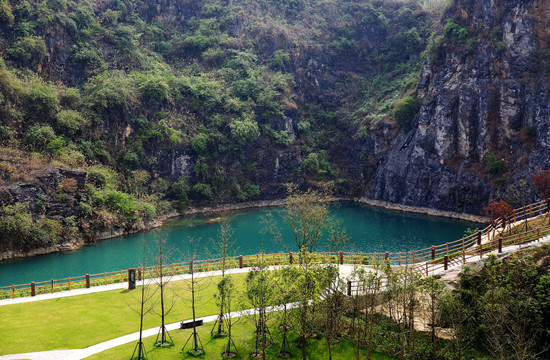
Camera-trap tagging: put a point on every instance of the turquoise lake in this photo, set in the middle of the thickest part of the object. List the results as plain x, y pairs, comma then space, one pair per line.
370, 230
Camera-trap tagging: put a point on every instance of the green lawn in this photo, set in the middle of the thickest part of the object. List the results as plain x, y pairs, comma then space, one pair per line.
79, 321
244, 339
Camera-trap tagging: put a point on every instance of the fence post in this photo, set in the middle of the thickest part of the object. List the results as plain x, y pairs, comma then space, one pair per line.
190, 266
33, 289
479, 237
273, 259
13, 291
139, 273
427, 274
400, 258
463, 252
105, 277
290, 260
69, 281
481, 251
349, 287
173, 270
433, 252
87, 281
121, 276
52, 286
240, 261
499, 245
361, 258
413, 257
387, 256
341, 258
446, 263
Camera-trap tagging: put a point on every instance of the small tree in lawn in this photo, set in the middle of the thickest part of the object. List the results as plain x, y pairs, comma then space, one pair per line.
227, 287
194, 287
223, 248
334, 297
146, 305
259, 291
310, 280
285, 294
332, 308
541, 179
166, 296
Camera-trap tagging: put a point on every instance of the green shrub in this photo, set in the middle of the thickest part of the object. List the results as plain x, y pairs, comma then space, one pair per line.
453, 30
85, 209
199, 143
18, 231
181, 189
70, 98
101, 177
41, 99
6, 14
244, 130
131, 159
87, 56
125, 205
30, 49
311, 163
71, 122
39, 136
405, 110
494, 164
203, 190
57, 146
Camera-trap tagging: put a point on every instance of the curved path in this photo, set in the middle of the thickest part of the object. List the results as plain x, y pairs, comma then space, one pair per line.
76, 354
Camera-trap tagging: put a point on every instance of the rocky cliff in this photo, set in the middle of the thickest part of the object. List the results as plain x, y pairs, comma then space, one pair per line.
484, 119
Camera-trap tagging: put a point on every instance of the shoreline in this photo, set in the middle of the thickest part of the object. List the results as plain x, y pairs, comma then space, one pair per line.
160, 221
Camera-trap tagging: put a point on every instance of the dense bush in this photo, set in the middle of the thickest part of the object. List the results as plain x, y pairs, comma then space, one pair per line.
494, 164
28, 50
71, 122
19, 231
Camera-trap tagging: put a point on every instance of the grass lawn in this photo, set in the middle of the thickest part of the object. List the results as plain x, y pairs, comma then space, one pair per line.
79, 321
244, 339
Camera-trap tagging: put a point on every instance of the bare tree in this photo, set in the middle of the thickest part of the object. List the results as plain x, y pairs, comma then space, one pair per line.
145, 305
194, 287
166, 296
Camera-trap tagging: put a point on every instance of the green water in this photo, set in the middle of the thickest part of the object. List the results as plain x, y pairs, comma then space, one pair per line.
370, 229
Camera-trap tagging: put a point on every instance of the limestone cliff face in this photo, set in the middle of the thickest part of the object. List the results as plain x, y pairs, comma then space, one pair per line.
488, 97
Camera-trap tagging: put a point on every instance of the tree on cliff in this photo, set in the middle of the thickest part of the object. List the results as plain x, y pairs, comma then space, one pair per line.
541, 179
498, 212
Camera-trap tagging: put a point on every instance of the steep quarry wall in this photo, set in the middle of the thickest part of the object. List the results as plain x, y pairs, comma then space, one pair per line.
484, 100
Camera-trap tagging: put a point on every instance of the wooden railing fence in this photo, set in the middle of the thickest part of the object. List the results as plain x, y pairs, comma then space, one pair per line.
424, 261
